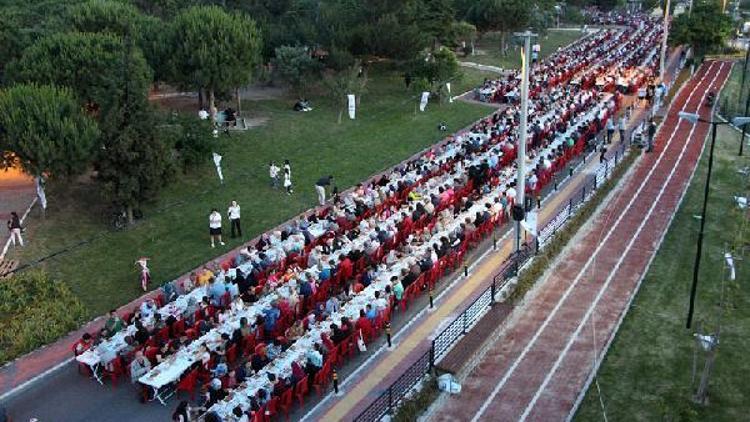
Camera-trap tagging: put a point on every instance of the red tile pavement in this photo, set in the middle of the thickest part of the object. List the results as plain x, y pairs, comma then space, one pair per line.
539, 369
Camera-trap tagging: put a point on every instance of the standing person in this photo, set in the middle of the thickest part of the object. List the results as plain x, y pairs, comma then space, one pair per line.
320, 186
288, 180
14, 226
234, 218
651, 134
610, 129
214, 227
622, 126
145, 272
273, 171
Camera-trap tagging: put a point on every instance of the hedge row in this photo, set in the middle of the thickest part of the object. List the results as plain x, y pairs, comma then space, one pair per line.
35, 310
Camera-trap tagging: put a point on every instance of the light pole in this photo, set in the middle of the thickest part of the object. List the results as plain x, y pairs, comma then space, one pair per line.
518, 215
694, 119
662, 63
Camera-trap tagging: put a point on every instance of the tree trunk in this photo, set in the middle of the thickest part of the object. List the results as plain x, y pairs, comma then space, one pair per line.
341, 113
211, 105
472, 47
502, 42
200, 98
239, 101
129, 212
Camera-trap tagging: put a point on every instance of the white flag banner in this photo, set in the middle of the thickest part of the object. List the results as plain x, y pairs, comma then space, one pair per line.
217, 163
530, 222
450, 96
352, 105
40, 193
423, 101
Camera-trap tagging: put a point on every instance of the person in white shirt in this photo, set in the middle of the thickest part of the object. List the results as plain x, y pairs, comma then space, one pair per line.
214, 227
273, 171
203, 114
234, 218
288, 180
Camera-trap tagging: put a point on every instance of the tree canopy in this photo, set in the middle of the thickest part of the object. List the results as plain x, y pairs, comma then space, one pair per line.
90, 64
212, 49
45, 130
706, 28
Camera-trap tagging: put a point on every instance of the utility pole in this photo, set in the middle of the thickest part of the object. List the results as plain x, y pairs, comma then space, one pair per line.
663, 62
523, 131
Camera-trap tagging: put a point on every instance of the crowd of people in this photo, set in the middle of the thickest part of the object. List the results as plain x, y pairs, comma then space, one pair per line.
258, 331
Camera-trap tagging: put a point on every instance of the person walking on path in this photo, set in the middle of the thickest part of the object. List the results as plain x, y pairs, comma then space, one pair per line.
14, 226
610, 129
320, 186
214, 227
622, 125
651, 134
273, 171
234, 218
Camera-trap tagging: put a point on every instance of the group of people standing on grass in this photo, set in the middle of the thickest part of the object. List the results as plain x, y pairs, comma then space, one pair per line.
280, 176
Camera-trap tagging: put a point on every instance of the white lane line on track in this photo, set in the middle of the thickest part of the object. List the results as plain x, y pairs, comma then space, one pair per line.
616, 268
547, 320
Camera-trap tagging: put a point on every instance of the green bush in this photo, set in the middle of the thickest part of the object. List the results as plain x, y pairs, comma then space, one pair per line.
34, 311
411, 408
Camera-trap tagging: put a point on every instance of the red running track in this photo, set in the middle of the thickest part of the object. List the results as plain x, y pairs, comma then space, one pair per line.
540, 367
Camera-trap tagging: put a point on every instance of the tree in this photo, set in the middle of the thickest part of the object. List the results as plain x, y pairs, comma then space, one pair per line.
115, 17
437, 19
295, 67
191, 138
434, 70
45, 130
213, 50
706, 29
343, 83
134, 163
90, 64
504, 16
464, 31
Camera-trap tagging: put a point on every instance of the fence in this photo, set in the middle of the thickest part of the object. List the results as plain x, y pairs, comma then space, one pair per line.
453, 332
392, 396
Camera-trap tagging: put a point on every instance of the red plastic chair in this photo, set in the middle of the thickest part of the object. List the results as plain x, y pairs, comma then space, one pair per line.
117, 370
301, 390
260, 415
286, 401
322, 378
188, 384
272, 408
232, 355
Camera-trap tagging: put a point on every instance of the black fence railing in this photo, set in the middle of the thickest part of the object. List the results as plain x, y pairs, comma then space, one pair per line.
391, 397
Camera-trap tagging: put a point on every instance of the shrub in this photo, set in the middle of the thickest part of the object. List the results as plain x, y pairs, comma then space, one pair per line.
35, 310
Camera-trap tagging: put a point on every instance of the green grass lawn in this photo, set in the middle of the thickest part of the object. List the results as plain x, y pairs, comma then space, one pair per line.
646, 376
488, 48
174, 231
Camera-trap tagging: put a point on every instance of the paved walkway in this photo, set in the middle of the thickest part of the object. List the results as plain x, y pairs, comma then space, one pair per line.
16, 193
540, 368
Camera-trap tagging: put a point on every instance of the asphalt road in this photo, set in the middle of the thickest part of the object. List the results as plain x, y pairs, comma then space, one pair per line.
67, 396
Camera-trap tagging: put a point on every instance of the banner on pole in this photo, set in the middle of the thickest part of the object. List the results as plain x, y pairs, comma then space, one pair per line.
450, 96
352, 105
530, 222
423, 101
217, 163
40, 193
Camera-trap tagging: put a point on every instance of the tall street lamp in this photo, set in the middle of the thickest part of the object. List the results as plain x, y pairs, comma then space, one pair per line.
694, 118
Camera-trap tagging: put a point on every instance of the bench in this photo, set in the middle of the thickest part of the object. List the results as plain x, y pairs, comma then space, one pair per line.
7, 267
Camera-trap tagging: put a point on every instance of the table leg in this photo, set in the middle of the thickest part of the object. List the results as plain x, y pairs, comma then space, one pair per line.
96, 371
